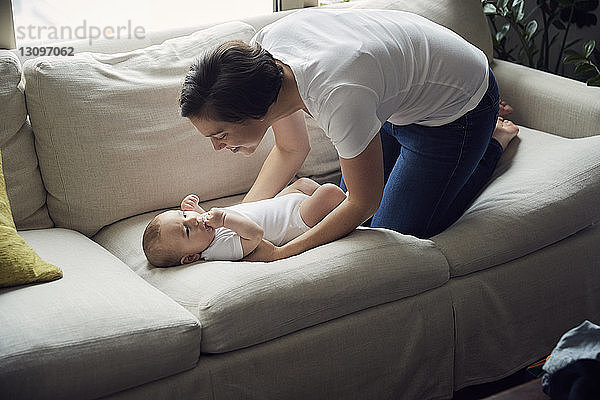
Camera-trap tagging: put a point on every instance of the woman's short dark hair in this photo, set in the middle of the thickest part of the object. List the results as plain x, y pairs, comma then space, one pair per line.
232, 83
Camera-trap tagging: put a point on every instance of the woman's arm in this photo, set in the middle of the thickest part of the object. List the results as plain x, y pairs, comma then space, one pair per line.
284, 160
250, 233
363, 175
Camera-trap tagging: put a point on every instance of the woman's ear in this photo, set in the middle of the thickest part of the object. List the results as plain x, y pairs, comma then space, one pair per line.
190, 258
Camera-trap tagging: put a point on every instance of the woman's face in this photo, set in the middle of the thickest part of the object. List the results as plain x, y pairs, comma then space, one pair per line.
241, 138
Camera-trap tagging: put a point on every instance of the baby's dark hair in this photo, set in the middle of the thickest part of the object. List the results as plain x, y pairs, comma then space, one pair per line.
231, 83
156, 252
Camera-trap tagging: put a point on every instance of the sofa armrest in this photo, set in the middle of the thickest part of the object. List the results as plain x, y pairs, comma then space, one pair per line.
99, 330
548, 102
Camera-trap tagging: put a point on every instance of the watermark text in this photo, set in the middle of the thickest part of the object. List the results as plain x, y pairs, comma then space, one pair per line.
83, 31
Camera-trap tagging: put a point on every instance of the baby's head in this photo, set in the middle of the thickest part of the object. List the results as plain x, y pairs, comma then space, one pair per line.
176, 237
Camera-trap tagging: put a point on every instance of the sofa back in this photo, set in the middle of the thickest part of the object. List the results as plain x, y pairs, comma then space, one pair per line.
24, 185
110, 140
111, 143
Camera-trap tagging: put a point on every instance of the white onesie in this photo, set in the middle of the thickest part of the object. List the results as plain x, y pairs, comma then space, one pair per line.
279, 217
356, 69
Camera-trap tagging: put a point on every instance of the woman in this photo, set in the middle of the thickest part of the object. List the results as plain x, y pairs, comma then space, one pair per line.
410, 106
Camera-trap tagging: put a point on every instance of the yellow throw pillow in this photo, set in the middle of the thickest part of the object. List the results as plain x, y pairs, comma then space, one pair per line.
19, 263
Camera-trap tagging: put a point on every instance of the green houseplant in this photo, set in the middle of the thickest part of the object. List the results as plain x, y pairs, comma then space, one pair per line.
536, 40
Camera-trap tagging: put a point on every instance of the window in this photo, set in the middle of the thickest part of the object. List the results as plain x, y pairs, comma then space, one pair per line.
47, 21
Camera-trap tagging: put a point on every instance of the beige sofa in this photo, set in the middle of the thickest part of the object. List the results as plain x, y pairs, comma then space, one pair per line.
93, 147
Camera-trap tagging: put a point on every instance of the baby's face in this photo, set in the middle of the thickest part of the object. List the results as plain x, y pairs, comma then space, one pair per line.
184, 232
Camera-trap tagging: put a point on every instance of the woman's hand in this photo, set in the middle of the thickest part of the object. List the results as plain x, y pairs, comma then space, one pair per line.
265, 252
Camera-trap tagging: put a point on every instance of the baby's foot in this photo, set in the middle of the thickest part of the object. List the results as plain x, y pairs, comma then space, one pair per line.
504, 132
505, 109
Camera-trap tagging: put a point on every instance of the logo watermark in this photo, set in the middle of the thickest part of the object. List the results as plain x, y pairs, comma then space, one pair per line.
83, 31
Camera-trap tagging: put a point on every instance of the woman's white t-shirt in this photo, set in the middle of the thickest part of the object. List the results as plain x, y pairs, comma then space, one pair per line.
356, 69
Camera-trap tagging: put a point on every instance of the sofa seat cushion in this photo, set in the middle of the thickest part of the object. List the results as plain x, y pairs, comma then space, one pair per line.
544, 189
241, 304
98, 330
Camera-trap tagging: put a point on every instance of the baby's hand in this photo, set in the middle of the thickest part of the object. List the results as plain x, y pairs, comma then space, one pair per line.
215, 218
190, 203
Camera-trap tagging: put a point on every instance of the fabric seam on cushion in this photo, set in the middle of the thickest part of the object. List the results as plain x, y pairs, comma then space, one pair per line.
528, 253
16, 64
55, 153
553, 186
211, 301
74, 344
533, 195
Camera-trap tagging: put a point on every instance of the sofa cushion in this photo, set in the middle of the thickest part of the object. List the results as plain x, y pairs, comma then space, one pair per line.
240, 304
111, 141
99, 330
544, 189
466, 19
19, 263
23, 180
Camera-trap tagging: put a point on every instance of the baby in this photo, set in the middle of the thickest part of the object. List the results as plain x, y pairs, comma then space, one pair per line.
231, 233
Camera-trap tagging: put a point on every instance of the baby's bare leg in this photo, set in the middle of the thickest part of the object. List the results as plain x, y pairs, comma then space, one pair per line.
320, 203
302, 185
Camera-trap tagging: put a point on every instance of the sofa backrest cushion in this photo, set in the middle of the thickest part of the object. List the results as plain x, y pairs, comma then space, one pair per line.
464, 17
23, 181
110, 139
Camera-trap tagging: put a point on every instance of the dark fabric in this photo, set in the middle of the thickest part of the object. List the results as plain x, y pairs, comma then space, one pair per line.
579, 380
573, 368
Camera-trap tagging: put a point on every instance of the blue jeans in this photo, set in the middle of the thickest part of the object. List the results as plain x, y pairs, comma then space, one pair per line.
432, 174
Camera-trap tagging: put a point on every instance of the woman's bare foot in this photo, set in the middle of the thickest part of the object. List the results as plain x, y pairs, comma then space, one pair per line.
504, 132
505, 109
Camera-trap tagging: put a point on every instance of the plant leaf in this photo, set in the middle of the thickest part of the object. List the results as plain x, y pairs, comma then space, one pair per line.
594, 81
588, 48
573, 58
572, 53
530, 29
490, 9
502, 32
503, 7
584, 69
519, 14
